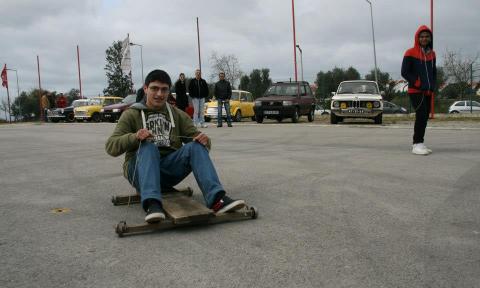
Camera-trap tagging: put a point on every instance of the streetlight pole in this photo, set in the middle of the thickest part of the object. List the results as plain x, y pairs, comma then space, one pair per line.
301, 58
294, 40
373, 35
141, 57
18, 89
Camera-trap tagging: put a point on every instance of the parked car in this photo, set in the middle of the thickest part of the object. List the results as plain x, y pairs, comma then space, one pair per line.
356, 99
241, 106
464, 107
113, 112
320, 110
65, 114
92, 111
286, 100
392, 108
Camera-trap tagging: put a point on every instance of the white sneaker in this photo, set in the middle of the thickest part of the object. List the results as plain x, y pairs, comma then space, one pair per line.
204, 125
429, 150
419, 149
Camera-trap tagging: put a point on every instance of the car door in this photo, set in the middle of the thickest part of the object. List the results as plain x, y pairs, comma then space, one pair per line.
306, 99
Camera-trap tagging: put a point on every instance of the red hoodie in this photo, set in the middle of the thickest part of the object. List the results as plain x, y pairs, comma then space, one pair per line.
419, 66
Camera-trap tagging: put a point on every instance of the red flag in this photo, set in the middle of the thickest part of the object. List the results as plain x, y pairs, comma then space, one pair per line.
4, 77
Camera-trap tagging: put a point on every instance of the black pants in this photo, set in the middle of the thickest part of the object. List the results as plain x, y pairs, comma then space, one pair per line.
422, 105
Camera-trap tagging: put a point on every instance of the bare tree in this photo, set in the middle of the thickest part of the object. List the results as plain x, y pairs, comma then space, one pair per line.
227, 64
459, 69
4, 108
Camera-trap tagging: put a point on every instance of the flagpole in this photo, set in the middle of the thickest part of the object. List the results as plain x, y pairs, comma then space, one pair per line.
79, 78
39, 90
8, 97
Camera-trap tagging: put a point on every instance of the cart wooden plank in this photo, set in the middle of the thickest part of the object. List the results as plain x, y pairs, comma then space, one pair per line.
183, 209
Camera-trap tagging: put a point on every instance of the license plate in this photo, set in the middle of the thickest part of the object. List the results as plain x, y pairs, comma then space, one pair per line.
271, 112
356, 111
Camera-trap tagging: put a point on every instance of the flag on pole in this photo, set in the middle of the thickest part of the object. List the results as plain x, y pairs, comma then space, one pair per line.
126, 63
4, 77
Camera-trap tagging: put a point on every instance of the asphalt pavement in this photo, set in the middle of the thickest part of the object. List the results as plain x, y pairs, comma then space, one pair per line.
340, 206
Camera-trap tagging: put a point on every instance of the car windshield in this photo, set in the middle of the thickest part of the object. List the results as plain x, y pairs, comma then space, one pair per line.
96, 101
129, 99
357, 88
284, 90
78, 103
235, 95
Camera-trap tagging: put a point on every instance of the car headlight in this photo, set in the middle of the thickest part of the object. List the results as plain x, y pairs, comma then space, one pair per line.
116, 110
343, 105
287, 103
336, 104
376, 104
258, 103
61, 110
102, 110
369, 105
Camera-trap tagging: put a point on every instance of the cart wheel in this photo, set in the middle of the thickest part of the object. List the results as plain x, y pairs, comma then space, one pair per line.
254, 212
121, 228
114, 200
189, 192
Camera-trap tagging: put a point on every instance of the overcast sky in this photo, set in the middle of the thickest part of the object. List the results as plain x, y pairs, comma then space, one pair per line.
258, 32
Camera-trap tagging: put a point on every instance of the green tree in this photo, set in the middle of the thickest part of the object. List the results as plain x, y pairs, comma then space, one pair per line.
71, 95
385, 83
257, 83
244, 83
118, 84
266, 81
328, 82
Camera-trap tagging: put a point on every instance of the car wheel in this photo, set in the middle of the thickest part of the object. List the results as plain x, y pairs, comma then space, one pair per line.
333, 118
96, 117
259, 119
253, 118
70, 117
208, 119
454, 112
311, 115
378, 119
295, 116
324, 113
279, 119
238, 116
54, 120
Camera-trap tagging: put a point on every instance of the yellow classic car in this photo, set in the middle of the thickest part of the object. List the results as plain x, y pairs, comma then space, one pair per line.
92, 111
241, 106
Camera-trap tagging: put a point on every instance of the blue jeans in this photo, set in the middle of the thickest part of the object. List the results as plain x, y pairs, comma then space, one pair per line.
155, 172
198, 111
226, 104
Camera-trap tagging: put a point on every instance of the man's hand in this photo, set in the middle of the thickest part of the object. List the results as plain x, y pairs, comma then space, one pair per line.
201, 138
143, 134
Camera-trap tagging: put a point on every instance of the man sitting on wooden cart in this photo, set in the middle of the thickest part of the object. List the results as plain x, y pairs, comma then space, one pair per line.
162, 147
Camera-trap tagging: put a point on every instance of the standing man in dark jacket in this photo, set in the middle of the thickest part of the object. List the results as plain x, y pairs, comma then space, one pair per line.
181, 92
223, 93
198, 90
419, 69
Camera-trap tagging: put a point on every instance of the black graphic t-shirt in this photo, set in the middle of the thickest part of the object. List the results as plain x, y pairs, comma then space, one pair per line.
160, 127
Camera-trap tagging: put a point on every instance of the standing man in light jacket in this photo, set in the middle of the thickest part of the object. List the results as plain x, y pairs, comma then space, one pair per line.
419, 69
162, 148
198, 90
223, 93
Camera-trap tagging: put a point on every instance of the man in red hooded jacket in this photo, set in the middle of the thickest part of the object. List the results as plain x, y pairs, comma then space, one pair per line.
419, 69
